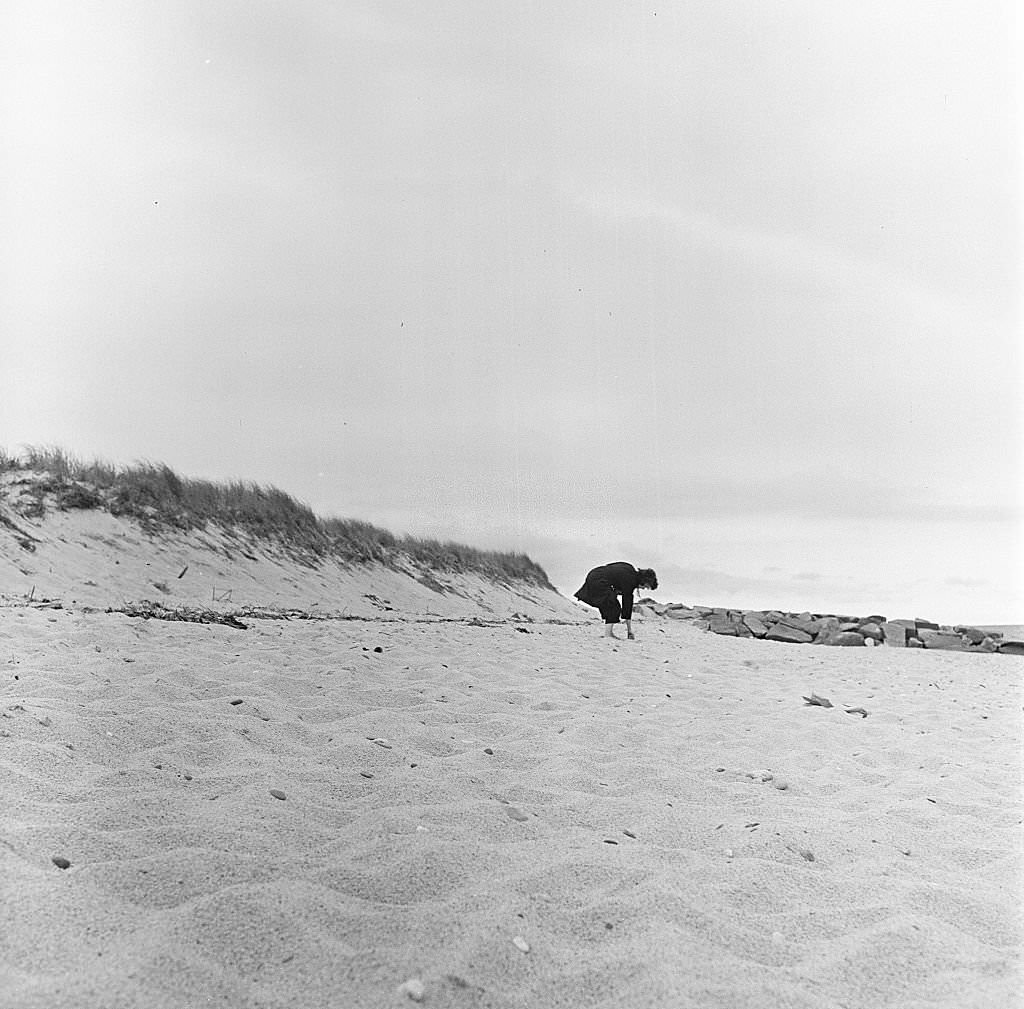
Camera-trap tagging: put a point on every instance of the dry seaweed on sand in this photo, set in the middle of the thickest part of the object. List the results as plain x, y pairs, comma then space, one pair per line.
157, 611
815, 700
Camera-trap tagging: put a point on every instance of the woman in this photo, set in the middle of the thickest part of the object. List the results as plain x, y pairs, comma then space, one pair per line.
605, 584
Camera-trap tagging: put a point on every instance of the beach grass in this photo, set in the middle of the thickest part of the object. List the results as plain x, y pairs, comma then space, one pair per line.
160, 499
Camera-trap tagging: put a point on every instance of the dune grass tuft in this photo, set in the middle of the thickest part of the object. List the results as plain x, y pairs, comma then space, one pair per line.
159, 499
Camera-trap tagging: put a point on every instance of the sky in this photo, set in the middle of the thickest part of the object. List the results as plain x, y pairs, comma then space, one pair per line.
727, 290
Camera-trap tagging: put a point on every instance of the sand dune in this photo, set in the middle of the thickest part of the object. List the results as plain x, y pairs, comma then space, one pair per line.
93, 558
511, 815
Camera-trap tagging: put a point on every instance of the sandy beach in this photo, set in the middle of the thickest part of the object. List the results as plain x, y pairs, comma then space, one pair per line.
379, 812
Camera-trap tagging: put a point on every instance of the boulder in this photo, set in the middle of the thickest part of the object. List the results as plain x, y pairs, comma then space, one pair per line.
849, 625
784, 632
1011, 647
926, 625
987, 644
755, 624
871, 630
875, 618
677, 614
719, 624
828, 627
847, 639
913, 642
973, 634
946, 640
895, 634
810, 626
911, 625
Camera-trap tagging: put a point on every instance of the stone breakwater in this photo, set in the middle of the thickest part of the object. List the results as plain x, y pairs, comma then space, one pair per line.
830, 629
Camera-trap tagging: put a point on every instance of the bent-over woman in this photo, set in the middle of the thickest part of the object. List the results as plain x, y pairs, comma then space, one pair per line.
605, 584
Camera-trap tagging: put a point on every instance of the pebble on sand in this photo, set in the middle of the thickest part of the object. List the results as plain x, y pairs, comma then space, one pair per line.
277, 793
238, 700
521, 943
413, 988
60, 862
781, 785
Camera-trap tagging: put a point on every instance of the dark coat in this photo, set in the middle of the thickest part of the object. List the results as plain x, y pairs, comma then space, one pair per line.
603, 584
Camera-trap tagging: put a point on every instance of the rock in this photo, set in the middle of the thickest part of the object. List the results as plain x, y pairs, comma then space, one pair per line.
914, 642
828, 627
783, 632
755, 624
60, 862
277, 793
875, 618
894, 634
721, 624
973, 634
987, 645
923, 624
847, 639
871, 630
849, 625
808, 626
946, 640
1011, 647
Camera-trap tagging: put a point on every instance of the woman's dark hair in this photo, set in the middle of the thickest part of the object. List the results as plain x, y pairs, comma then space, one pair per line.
648, 577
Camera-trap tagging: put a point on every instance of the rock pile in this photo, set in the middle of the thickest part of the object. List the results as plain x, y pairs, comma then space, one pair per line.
829, 629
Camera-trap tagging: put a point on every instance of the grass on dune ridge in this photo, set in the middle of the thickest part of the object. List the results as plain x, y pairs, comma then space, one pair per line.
159, 499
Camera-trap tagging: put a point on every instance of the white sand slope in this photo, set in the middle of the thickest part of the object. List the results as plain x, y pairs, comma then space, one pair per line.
501, 816
92, 558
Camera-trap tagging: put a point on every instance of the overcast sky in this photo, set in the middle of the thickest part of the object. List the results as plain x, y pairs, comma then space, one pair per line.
726, 289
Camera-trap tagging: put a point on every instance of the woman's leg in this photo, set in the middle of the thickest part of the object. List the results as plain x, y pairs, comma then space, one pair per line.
610, 610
